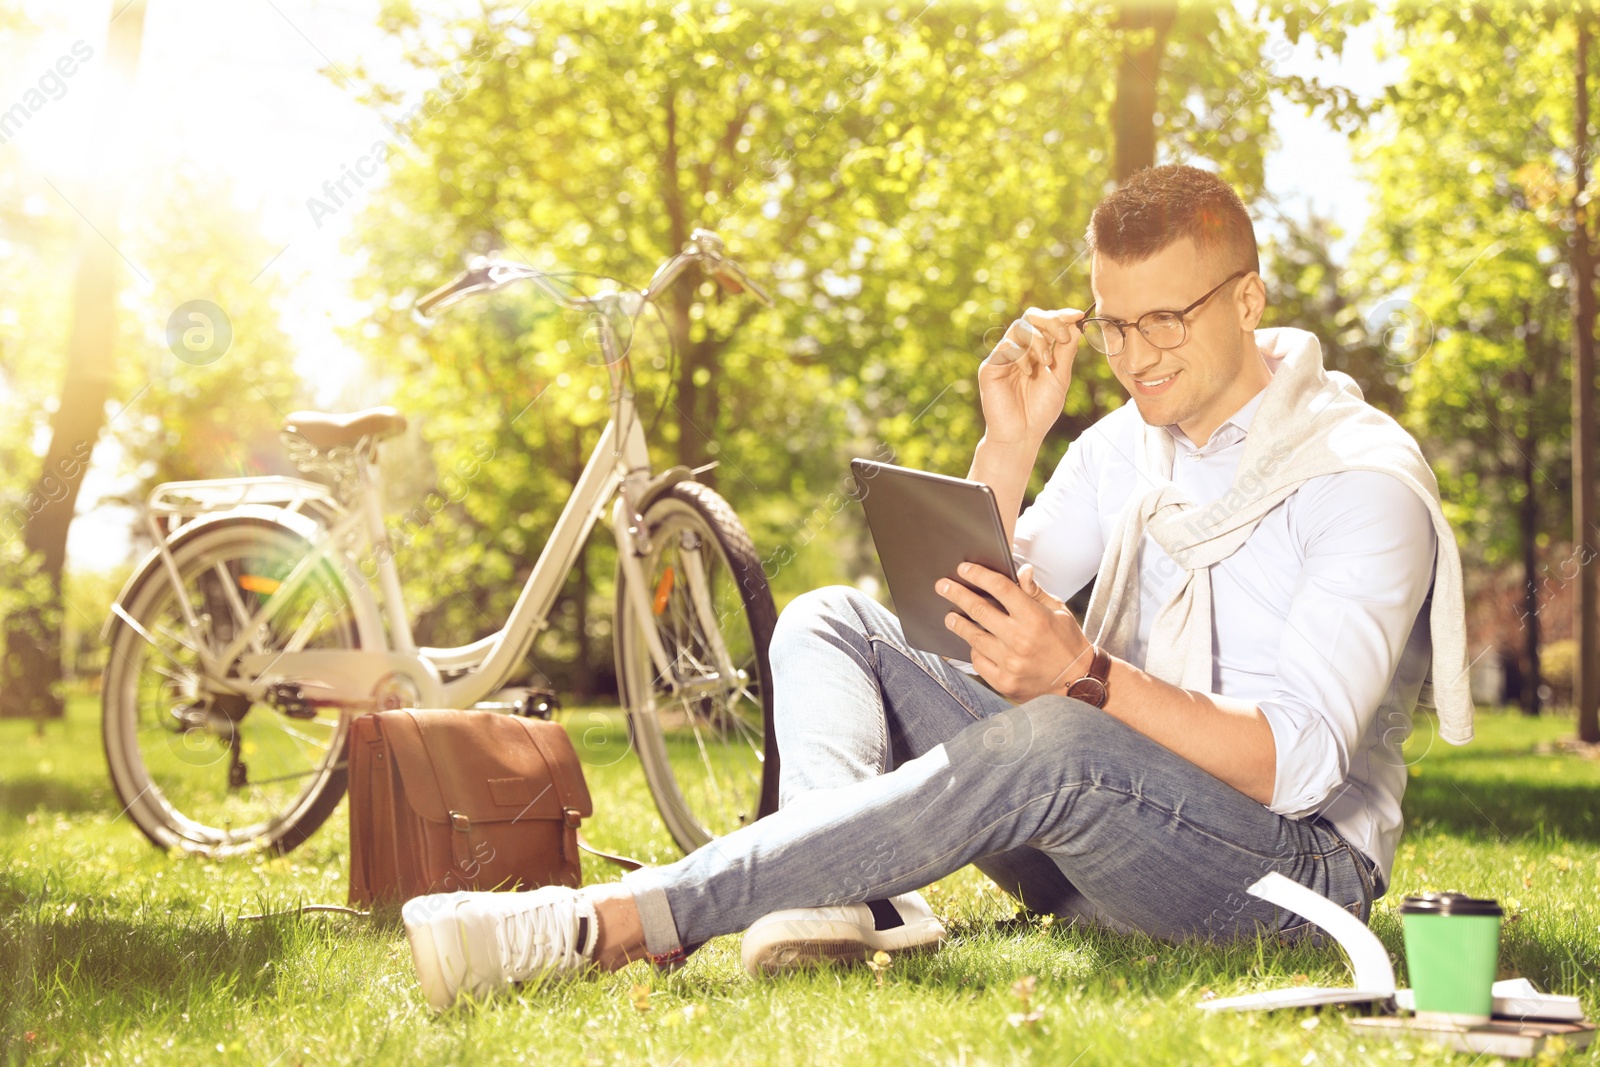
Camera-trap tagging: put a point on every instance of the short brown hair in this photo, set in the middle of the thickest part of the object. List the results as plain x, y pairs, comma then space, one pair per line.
1160, 205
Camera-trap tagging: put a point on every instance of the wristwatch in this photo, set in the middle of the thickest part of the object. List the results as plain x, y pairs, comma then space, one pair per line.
1091, 688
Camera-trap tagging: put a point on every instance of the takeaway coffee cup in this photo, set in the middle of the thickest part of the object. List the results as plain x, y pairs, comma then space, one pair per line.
1452, 951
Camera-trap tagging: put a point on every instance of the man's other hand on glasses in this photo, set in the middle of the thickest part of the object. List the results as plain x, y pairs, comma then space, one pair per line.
1022, 384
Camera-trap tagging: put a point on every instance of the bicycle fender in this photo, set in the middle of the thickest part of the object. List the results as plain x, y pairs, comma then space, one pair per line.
663, 482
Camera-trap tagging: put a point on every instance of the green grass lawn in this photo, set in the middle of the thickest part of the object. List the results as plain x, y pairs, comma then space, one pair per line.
113, 952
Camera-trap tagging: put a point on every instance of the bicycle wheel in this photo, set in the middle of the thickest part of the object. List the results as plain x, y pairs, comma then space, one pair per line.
702, 728
198, 767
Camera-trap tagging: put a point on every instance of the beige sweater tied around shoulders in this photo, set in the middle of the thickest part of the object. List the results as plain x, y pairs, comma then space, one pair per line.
1311, 422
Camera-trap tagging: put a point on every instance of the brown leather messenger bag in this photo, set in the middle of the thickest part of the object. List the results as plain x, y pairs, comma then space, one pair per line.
445, 800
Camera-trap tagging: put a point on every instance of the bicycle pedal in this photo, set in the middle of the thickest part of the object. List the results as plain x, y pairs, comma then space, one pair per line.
538, 704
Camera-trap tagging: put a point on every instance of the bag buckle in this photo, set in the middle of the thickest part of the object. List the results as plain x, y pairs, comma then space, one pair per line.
460, 822
573, 816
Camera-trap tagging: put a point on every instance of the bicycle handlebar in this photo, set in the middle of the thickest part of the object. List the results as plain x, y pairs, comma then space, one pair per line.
703, 247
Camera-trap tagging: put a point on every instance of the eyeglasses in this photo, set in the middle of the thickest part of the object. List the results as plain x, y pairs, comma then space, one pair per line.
1163, 329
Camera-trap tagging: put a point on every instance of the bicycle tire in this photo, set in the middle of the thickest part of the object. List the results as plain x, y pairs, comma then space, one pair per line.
141, 794
688, 507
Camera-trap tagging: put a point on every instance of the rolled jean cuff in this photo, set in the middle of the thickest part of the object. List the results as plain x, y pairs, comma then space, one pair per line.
655, 915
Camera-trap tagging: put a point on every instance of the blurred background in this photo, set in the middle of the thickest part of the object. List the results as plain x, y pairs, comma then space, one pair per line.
904, 177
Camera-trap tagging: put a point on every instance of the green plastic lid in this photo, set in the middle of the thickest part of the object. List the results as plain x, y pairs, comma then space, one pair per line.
1449, 904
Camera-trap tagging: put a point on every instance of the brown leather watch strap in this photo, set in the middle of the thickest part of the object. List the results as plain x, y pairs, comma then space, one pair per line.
1092, 688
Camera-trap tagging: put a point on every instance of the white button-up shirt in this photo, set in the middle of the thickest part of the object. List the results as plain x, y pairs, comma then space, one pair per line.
1318, 618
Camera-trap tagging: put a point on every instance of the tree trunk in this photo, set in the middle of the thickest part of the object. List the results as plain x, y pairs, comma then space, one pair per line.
1137, 77
1531, 672
685, 393
1586, 687
697, 405
1528, 522
695, 400
32, 668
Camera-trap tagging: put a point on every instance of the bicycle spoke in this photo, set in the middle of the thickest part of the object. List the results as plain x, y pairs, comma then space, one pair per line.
292, 732
186, 678
284, 778
241, 617
303, 633
743, 727
705, 758
175, 639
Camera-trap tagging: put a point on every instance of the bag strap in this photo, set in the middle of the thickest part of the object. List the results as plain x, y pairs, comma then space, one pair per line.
567, 774
561, 759
308, 909
627, 863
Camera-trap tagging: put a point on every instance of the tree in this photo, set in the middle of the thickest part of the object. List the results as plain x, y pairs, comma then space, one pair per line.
32, 663
174, 418
1470, 224
1587, 688
36, 238
1137, 77
886, 176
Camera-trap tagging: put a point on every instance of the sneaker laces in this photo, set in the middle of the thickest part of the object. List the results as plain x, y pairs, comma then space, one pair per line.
544, 936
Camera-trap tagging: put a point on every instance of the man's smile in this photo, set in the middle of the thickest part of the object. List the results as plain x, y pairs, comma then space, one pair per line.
1154, 386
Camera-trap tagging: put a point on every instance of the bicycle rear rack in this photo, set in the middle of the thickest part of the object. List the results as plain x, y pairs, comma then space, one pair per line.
175, 503
172, 504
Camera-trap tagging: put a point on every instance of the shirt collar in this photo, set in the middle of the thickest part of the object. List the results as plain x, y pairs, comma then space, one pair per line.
1231, 431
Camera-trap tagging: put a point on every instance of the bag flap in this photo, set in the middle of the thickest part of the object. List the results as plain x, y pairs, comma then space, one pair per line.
562, 759
486, 766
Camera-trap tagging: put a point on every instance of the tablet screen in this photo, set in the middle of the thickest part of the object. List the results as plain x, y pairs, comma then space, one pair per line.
924, 526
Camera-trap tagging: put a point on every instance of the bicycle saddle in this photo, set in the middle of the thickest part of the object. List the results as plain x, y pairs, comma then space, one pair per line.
323, 430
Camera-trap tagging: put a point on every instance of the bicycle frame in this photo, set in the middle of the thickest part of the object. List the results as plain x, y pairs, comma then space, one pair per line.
618, 467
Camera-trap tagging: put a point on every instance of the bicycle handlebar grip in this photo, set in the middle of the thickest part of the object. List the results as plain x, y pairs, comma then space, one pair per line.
471, 279
735, 279
426, 304
728, 279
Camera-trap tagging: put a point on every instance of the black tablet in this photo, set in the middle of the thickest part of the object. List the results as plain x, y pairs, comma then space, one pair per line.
924, 526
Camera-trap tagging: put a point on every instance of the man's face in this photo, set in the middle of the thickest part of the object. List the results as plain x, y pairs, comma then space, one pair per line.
1177, 385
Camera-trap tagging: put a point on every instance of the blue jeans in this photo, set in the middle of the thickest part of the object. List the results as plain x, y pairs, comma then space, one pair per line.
898, 769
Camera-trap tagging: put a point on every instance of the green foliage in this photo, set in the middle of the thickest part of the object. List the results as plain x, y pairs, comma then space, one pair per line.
1559, 663
1470, 228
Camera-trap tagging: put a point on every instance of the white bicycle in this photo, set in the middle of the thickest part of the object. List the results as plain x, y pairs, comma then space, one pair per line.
243, 644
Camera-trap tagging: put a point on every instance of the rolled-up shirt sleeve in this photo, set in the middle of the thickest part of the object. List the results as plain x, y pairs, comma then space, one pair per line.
1368, 544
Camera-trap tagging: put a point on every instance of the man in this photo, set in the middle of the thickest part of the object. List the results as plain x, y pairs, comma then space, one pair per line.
1263, 545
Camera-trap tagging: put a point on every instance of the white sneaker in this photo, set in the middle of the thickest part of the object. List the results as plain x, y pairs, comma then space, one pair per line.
799, 937
482, 943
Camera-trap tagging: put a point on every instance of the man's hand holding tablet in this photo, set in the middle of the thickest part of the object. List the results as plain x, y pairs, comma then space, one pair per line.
1034, 646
